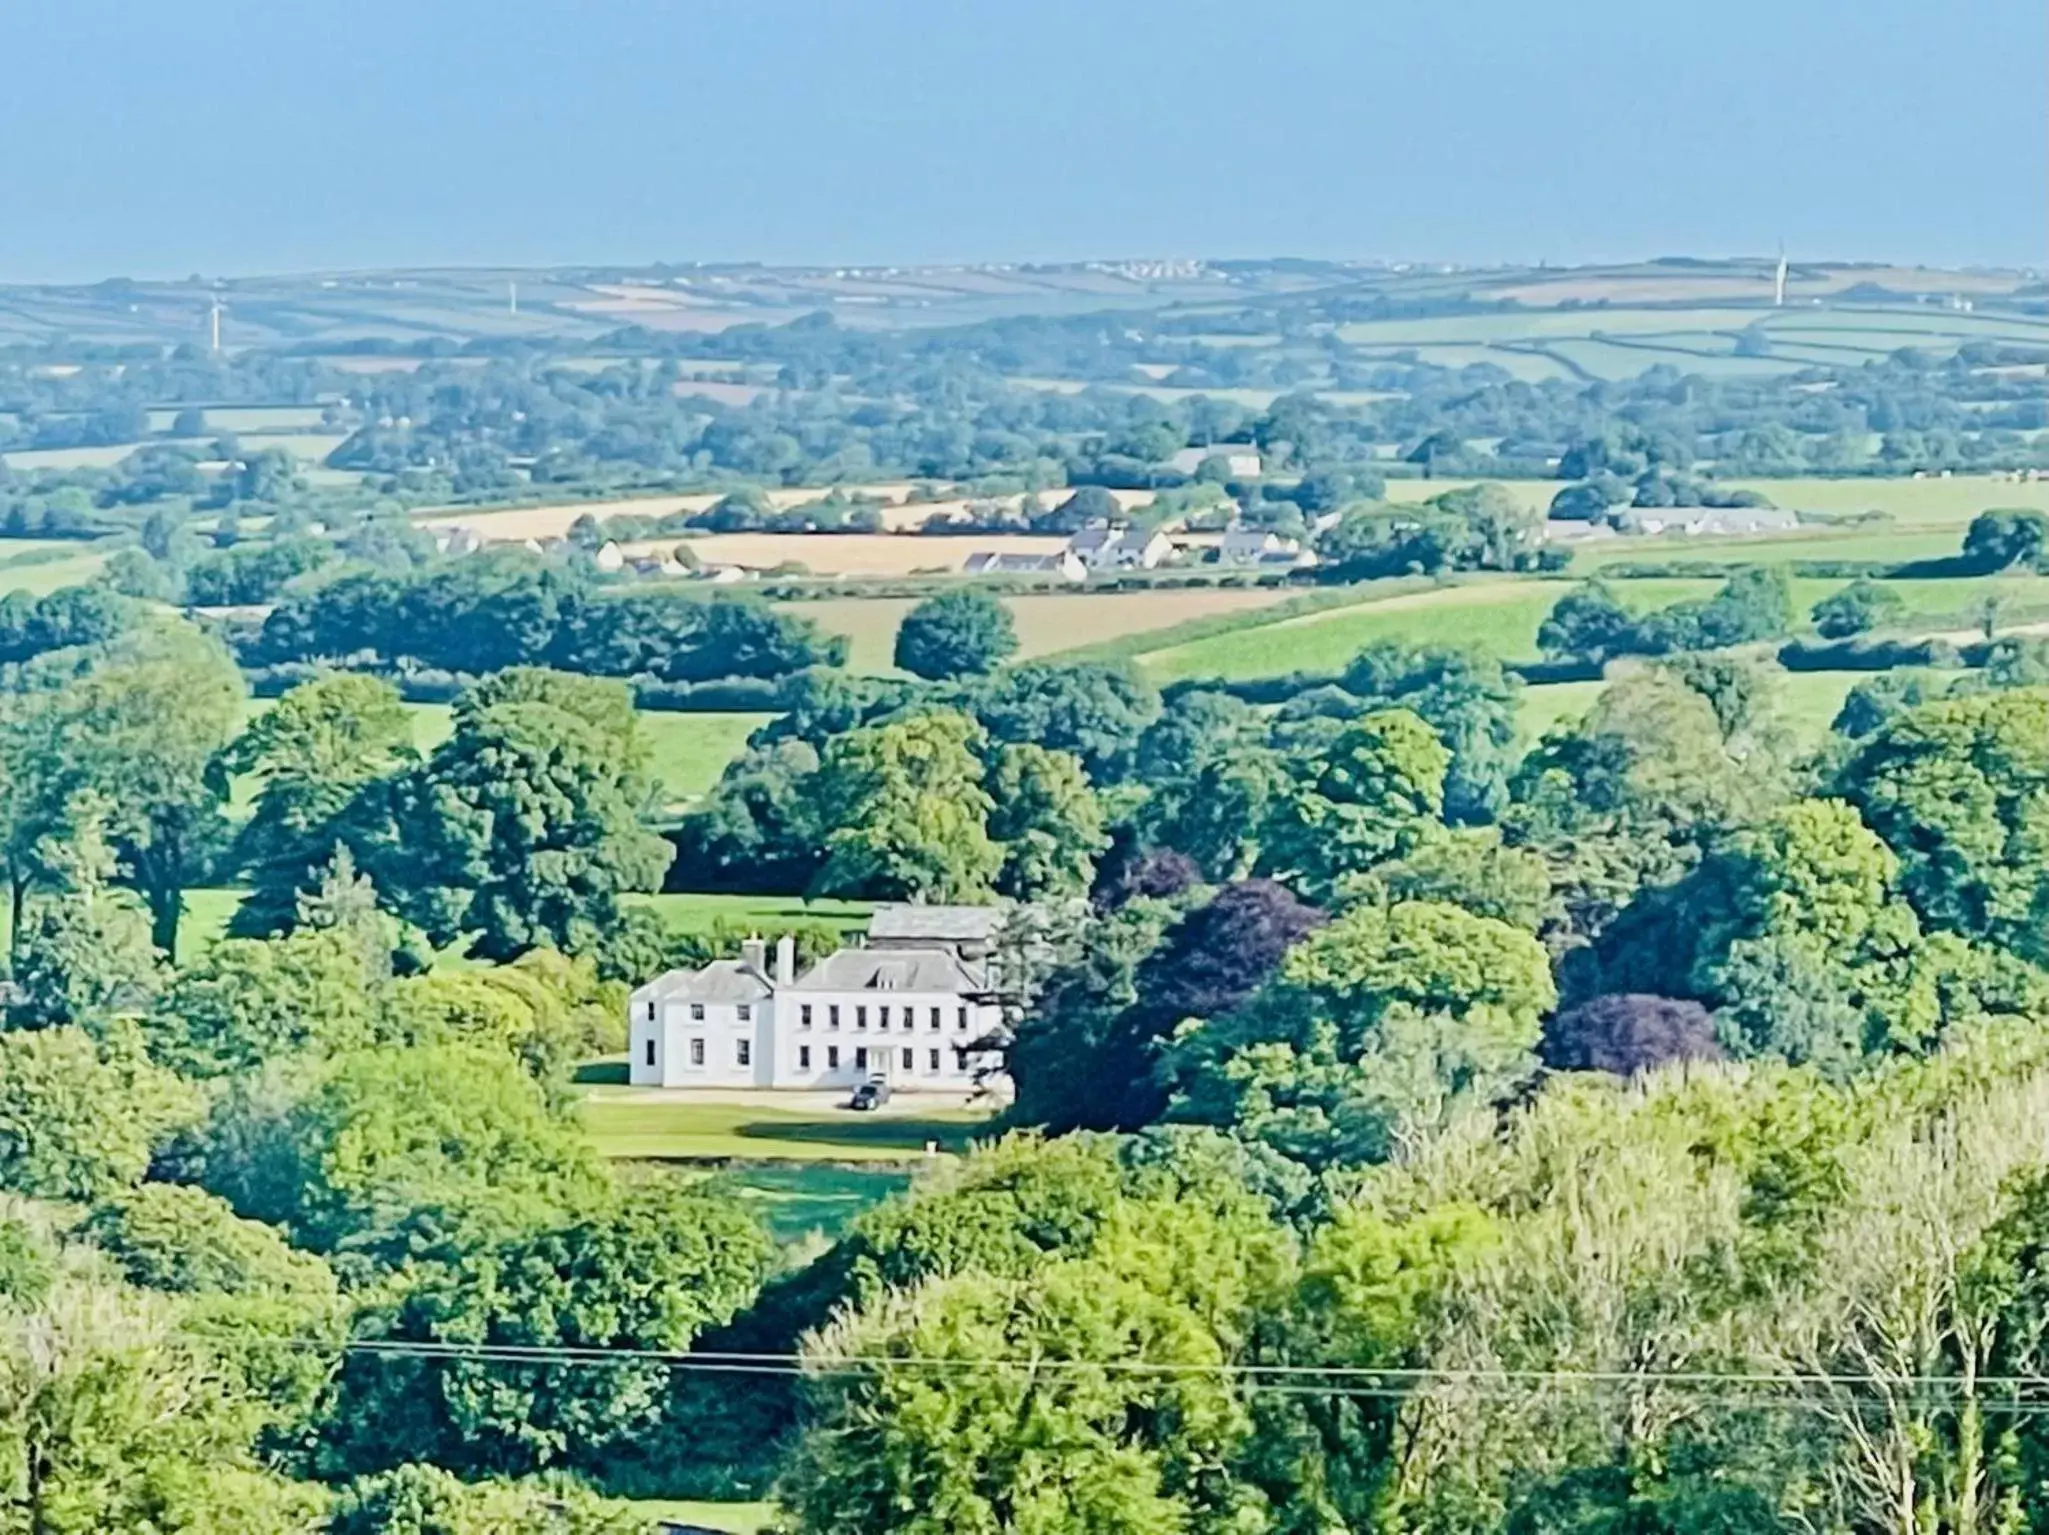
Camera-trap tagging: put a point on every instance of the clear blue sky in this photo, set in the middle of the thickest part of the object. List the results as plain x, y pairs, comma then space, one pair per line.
160, 137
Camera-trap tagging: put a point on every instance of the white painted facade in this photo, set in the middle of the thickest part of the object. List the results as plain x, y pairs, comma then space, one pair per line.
910, 1010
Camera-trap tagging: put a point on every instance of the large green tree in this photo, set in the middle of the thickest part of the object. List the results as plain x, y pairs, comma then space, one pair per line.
646, 1274
1376, 1029
1364, 798
906, 813
1959, 790
77, 1122
249, 1001
960, 633
1467, 697
310, 754
395, 1153
83, 955
523, 827
114, 1417
1048, 821
148, 730
1862, 605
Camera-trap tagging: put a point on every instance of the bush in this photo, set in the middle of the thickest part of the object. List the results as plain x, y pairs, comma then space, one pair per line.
1628, 1033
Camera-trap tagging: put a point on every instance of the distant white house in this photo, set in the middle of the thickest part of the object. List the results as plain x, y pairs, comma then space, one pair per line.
1242, 545
609, 556
915, 1005
1241, 461
1119, 546
1713, 521
457, 539
988, 562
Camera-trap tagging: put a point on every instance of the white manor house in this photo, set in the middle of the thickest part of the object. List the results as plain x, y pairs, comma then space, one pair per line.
914, 1004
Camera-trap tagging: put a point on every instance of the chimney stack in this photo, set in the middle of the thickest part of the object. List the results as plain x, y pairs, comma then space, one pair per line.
785, 960
754, 955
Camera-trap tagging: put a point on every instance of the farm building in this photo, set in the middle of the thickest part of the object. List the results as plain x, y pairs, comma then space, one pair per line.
1712, 521
913, 1005
1065, 564
1119, 546
1242, 545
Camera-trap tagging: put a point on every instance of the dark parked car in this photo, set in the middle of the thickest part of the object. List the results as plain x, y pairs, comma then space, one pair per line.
872, 1094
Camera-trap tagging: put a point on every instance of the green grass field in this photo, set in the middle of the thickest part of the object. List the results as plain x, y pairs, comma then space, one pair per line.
727, 1518
33, 566
1046, 625
645, 1125
1620, 339
1499, 615
694, 913
244, 419
691, 750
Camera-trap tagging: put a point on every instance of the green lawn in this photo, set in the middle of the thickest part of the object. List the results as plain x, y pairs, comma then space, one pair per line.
1501, 615
40, 576
694, 913
729, 1518
1047, 624
1886, 544
1913, 503
638, 1124
691, 750
1548, 705
207, 914
687, 751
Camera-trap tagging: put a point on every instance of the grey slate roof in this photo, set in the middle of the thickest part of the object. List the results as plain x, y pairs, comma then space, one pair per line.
887, 970
998, 561
723, 980
902, 922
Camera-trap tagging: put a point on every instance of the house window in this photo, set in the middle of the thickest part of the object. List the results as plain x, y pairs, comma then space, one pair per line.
804, 1016
933, 1058
746, 1013
697, 1012
935, 1017
860, 1017
832, 1057
882, 1019
743, 1052
832, 1016
697, 1052
961, 1022
650, 1052
650, 1012
803, 1057
906, 1058
861, 1059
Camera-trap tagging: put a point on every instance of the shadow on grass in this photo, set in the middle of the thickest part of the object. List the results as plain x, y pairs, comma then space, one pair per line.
857, 1130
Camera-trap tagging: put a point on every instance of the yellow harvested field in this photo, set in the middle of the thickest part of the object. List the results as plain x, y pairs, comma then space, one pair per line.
848, 554
519, 523
1045, 624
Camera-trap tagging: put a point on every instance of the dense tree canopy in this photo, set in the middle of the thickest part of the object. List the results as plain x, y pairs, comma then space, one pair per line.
960, 633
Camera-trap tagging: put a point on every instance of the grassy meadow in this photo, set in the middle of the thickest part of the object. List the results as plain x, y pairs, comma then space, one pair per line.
649, 1125
1046, 625
726, 1518
1500, 615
